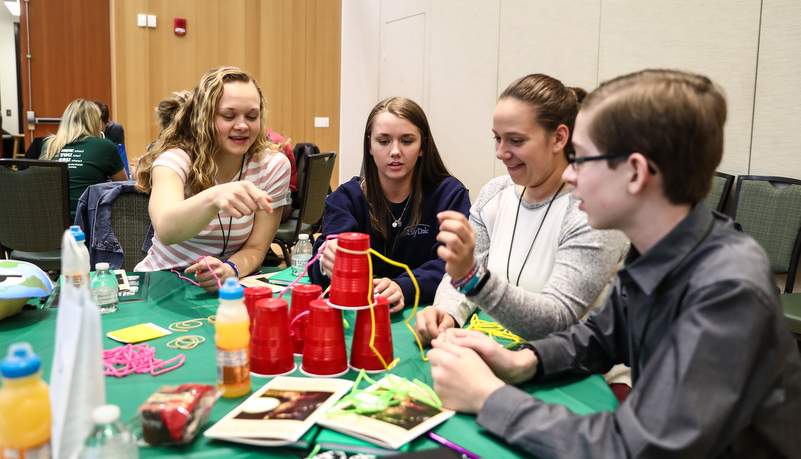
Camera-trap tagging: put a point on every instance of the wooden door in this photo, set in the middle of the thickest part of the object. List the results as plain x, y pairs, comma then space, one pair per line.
70, 58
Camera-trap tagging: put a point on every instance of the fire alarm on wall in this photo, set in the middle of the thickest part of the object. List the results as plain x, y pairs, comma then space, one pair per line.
180, 26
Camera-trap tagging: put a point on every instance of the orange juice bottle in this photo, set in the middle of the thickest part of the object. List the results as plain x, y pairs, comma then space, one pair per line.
232, 337
24, 406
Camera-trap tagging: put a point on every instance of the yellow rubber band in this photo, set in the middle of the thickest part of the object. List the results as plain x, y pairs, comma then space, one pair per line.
186, 342
191, 323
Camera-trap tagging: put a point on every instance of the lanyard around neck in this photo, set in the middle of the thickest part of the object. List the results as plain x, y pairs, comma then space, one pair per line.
514, 229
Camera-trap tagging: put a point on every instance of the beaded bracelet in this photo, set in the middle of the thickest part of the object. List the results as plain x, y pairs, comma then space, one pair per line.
231, 263
473, 281
467, 278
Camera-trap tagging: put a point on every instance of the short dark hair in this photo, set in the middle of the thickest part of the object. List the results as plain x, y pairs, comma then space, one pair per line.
554, 103
673, 118
103, 111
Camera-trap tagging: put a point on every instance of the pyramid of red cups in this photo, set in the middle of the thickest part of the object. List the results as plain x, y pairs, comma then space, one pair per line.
314, 327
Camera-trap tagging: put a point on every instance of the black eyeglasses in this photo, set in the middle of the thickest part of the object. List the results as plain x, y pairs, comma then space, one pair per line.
576, 161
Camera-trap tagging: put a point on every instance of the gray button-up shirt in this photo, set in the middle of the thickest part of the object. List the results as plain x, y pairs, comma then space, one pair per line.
716, 371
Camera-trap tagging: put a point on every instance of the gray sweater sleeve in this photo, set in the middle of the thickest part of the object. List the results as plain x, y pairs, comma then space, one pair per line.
586, 260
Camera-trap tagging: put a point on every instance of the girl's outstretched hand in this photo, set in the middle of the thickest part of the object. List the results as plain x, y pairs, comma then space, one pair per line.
241, 198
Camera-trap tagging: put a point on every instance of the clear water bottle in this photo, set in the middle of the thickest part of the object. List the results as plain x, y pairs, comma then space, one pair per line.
104, 289
301, 254
109, 438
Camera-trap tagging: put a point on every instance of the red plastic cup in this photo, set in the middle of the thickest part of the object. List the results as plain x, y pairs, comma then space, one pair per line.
302, 295
324, 352
361, 356
252, 295
351, 286
270, 348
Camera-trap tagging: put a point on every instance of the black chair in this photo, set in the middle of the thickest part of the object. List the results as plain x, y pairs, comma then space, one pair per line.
769, 210
719, 194
130, 220
34, 209
317, 176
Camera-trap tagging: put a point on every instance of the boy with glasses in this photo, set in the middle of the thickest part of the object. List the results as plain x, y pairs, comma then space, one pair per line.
694, 312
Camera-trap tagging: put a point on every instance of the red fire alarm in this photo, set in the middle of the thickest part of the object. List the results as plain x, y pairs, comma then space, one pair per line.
180, 26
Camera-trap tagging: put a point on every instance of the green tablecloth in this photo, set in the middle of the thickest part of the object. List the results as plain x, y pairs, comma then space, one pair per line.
171, 300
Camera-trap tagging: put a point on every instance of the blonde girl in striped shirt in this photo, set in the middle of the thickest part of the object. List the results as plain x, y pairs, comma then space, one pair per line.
216, 183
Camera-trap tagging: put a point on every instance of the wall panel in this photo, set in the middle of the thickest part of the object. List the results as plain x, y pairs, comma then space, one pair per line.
464, 62
777, 112
559, 39
290, 47
717, 39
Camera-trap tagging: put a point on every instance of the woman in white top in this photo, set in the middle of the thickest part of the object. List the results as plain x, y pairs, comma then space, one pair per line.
215, 182
527, 256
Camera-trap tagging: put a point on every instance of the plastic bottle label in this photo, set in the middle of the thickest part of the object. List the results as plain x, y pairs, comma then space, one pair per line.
232, 366
75, 281
38, 452
105, 295
299, 262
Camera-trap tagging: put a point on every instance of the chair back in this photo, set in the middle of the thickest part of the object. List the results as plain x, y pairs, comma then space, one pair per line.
302, 151
130, 221
719, 194
316, 181
769, 210
316, 186
34, 204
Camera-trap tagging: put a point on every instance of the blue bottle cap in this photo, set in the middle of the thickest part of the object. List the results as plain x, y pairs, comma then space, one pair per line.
20, 362
77, 233
231, 290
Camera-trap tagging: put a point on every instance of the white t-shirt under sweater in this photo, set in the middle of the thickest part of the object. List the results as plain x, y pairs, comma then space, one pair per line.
270, 174
499, 215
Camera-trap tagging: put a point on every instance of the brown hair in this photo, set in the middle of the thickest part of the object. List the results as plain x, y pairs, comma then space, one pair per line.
673, 118
194, 130
429, 171
555, 103
169, 106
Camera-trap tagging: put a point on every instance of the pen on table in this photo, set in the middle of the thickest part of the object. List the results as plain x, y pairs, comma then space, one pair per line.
453, 446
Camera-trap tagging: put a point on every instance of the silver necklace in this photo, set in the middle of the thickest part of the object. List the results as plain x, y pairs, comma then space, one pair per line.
396, 222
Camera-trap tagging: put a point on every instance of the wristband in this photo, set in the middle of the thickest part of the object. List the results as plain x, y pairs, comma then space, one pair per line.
231, 263
461, 283
473, 280
481, 282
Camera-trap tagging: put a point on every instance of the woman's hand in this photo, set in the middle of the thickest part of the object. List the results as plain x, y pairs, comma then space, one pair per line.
241, 198
328, 256
459, 241
390, 290
431, 322
205, 278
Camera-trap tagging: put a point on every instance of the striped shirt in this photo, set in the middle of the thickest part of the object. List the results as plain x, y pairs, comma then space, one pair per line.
270, 174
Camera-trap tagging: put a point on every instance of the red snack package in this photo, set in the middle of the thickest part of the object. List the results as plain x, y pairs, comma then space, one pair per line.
175, 414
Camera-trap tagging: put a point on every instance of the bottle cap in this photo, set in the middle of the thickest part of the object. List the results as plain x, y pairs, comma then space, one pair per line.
77, 233
231, 290
303, 236
101, 267
106, 414
20, 362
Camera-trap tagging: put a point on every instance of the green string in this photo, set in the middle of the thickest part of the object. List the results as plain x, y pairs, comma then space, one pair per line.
360, 401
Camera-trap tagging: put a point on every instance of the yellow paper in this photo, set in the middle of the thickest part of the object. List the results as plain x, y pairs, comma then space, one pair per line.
138, 333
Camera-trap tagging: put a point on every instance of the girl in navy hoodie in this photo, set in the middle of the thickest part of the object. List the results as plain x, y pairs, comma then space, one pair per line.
405, 186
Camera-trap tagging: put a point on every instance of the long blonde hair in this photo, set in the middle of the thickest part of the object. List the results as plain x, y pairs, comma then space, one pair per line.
80, 120
194, 130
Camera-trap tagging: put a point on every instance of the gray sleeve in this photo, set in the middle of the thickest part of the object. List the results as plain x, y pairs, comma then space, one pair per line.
586, 261
447, 298
686, 403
